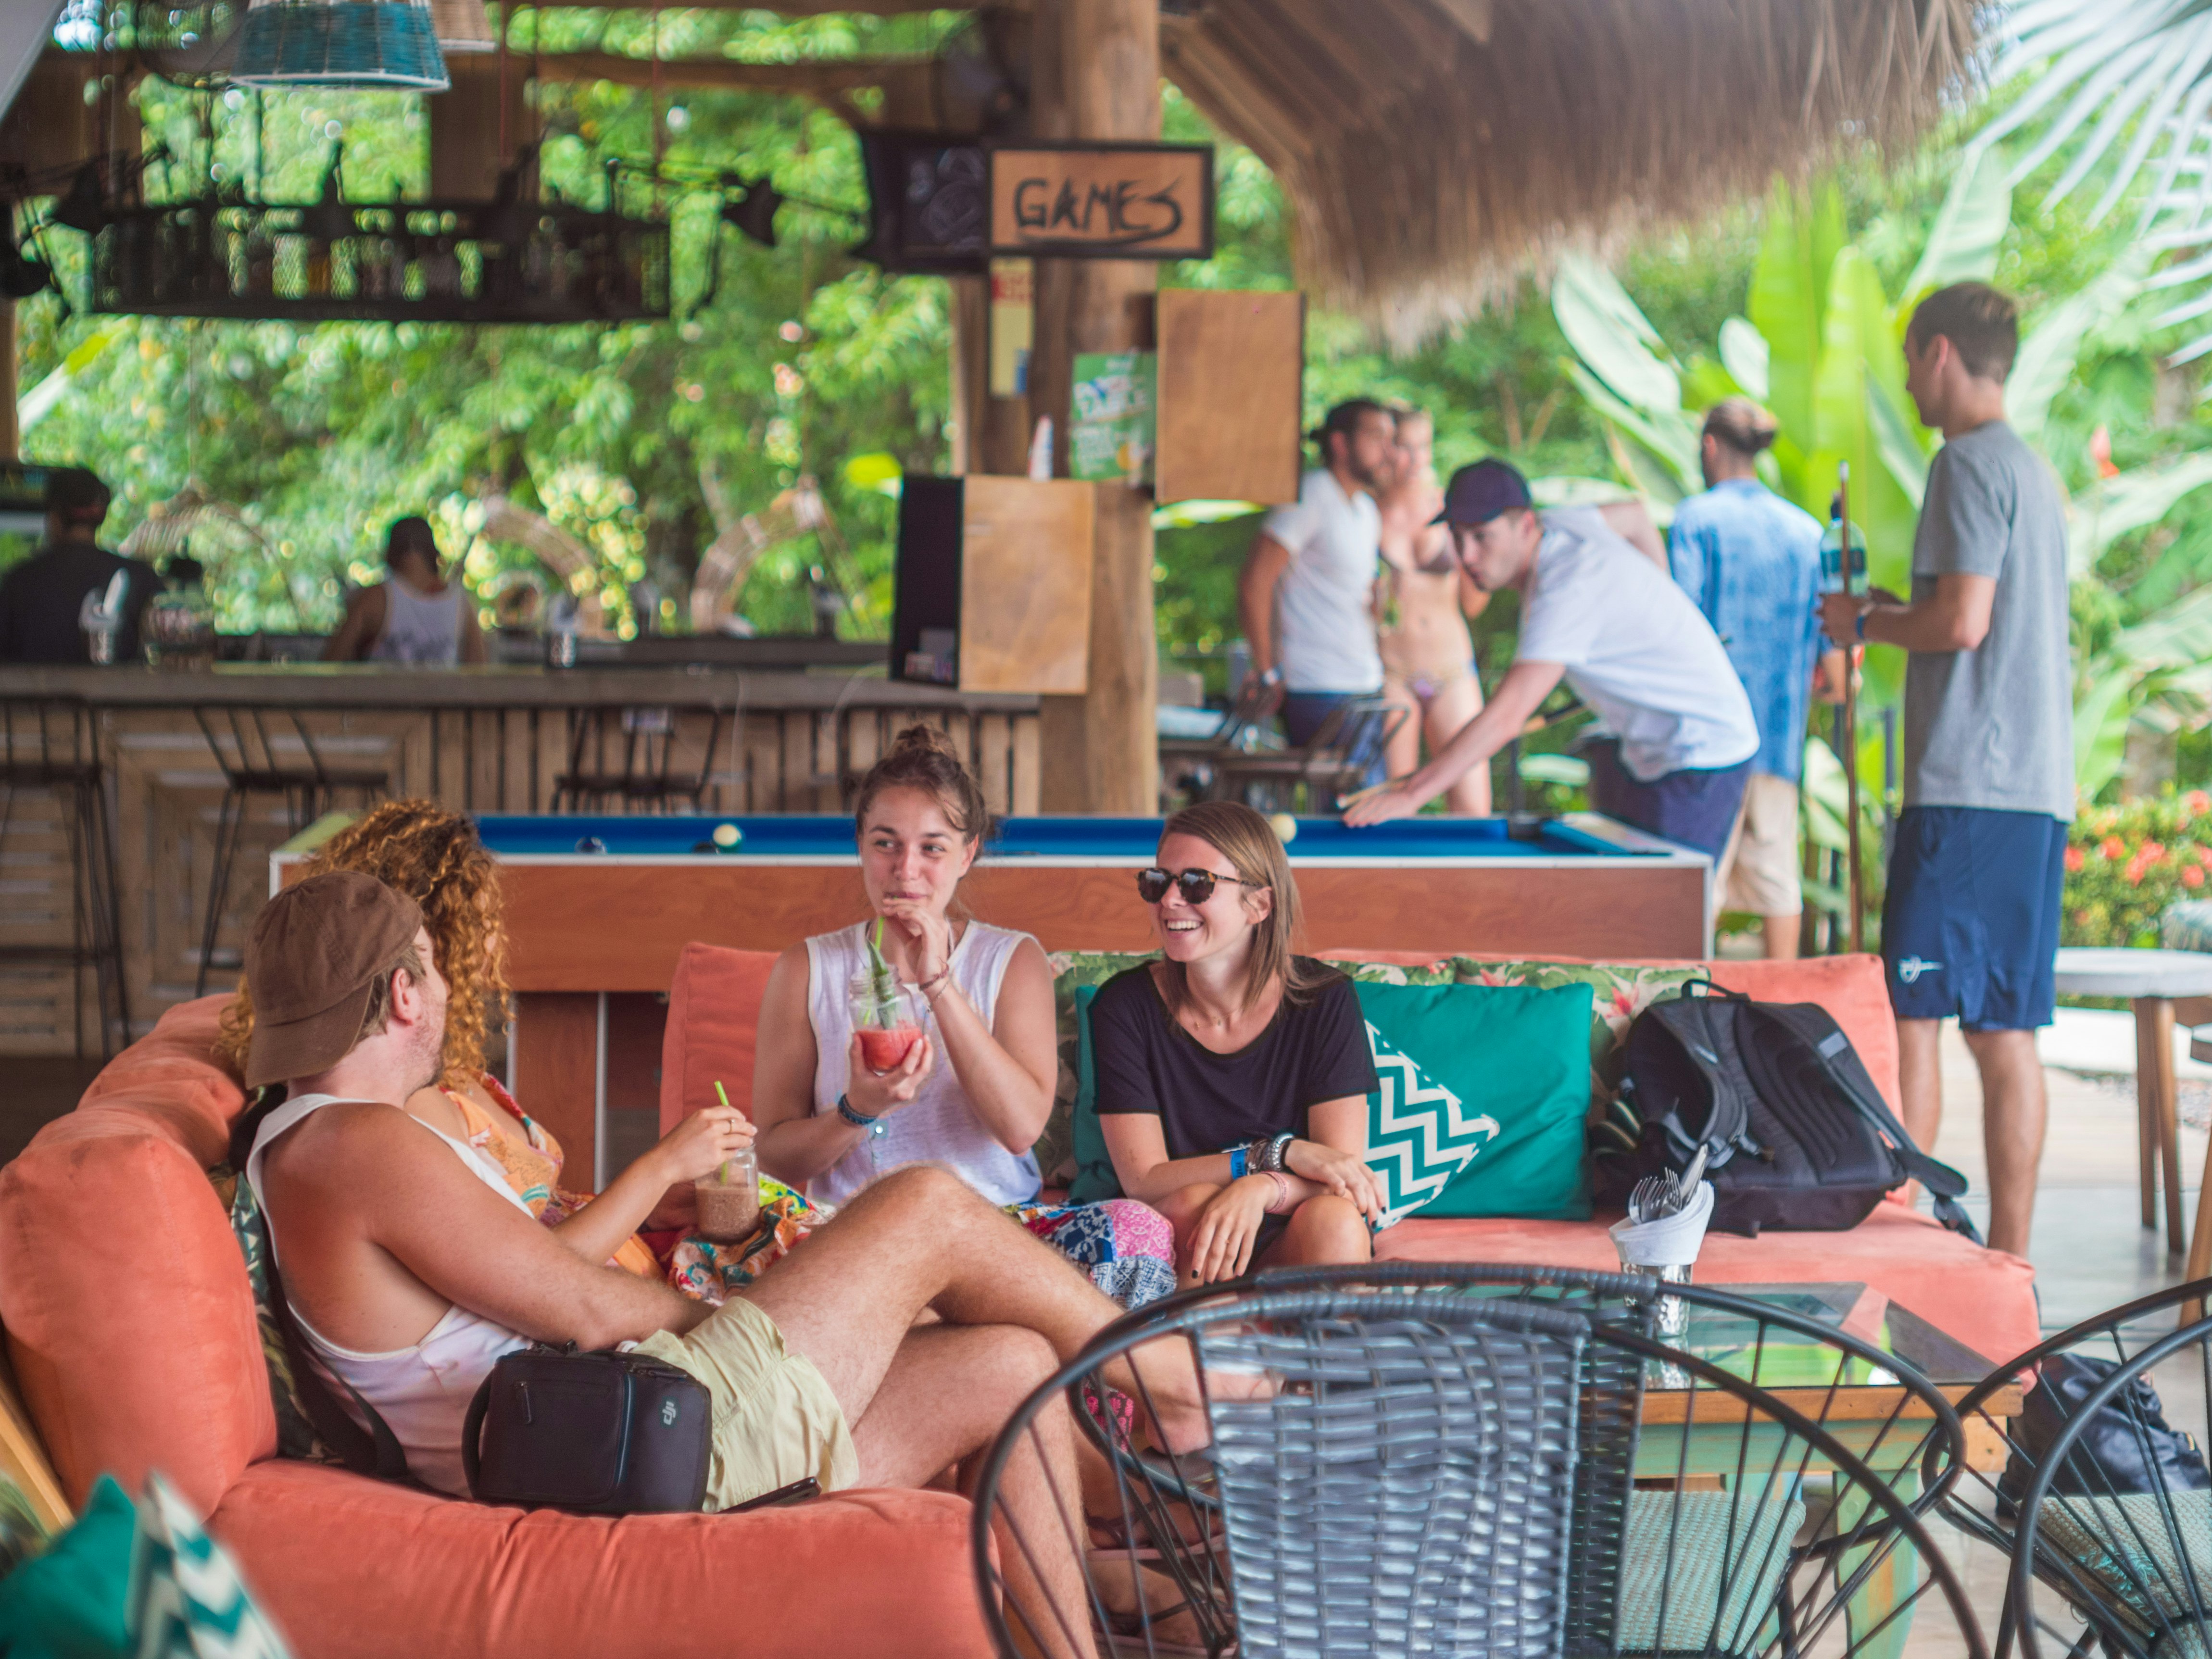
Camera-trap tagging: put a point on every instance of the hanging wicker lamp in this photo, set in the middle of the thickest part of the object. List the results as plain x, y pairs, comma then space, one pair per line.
339, 43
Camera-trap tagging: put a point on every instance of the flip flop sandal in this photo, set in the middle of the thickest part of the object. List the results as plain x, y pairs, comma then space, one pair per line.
1111, 1537
1126, 1636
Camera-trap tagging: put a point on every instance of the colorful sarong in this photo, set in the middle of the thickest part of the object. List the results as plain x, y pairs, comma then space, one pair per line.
709, 1272
1126, 1248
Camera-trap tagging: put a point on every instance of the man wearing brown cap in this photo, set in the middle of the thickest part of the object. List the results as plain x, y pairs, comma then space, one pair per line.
411, 1266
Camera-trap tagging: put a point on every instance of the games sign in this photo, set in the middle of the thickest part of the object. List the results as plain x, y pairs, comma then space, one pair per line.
1102, 201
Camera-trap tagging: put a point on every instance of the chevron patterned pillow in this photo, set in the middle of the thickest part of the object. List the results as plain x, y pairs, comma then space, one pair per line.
1420, 1133
1480, 1097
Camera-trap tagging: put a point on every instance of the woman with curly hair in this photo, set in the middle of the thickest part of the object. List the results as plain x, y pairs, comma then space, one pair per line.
435, 857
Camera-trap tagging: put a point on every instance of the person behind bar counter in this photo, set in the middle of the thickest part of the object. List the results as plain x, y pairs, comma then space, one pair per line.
41, 599
418, 617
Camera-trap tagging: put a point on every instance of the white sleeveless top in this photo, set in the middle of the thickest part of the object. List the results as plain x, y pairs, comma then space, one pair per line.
939, 1125
423, 630
423, 1392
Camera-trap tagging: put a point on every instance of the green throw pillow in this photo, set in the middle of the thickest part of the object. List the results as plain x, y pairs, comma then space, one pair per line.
1484, 1093
75, 1599
1095, 1181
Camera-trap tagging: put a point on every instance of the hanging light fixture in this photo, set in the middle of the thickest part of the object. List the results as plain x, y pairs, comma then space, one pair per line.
329, 220
85, 207
21, 277
339, 43
754, 211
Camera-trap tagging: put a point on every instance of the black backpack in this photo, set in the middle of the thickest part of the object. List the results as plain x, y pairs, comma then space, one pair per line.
1797, 1136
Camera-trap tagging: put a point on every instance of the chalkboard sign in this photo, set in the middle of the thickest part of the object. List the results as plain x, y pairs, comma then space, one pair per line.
929, 207
1102, 201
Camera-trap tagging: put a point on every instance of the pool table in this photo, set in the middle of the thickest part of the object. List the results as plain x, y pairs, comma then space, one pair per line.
599, 908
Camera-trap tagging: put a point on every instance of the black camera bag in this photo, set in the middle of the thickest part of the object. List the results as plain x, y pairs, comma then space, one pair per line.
599, 1433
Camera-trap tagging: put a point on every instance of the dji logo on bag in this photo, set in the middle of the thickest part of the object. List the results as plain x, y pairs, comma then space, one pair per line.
668, 1413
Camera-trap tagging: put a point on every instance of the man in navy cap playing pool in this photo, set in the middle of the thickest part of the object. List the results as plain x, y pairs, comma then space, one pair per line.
1672, 750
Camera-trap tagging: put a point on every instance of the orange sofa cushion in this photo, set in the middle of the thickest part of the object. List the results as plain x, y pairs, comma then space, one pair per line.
713, 1012
129, 1315
356, 1569
1984, 1298
140, 1352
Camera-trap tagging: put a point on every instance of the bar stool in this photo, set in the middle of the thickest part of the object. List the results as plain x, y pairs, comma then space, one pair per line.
240, 740
641, 771
52, 744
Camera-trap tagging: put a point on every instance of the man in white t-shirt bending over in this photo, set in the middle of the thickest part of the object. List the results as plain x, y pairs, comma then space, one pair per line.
1307, 596
1675, 737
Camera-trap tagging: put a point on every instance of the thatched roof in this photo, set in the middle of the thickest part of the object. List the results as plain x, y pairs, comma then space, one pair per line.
1433, 149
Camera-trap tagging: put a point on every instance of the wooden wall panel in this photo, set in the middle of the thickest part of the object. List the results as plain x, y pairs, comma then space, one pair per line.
1231, 373
1025, 582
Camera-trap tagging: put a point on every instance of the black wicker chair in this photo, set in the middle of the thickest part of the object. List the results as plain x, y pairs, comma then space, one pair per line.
1475, 1460
2104, 1504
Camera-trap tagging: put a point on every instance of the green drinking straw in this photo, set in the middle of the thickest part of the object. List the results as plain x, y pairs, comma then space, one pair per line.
722, 1095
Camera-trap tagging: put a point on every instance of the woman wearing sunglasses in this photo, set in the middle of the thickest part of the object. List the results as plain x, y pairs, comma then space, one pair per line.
974, 1092
1232, 1076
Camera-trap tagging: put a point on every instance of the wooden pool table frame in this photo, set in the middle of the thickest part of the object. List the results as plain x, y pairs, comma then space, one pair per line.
592, 938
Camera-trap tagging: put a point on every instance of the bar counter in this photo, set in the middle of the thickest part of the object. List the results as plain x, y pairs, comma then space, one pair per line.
177, 745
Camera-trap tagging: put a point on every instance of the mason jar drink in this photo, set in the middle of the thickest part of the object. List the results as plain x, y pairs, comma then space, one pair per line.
888, 1023
729, 1199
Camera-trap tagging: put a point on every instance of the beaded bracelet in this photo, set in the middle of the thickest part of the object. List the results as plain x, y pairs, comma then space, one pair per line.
1281, 1201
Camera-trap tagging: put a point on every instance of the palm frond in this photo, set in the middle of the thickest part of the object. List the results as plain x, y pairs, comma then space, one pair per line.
2116, 66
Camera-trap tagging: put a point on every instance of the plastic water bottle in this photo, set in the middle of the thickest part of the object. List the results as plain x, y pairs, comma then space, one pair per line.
1834, 578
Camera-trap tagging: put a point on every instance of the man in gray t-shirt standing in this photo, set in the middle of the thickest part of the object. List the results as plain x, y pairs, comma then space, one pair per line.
1970, 923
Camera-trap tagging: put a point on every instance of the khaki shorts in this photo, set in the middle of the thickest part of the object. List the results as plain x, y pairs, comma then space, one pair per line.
775, 1420
1759, 872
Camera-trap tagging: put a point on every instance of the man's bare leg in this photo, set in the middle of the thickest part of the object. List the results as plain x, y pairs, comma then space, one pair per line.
2014, 1108
1920, 1080
947, 1393
920, 1238
1781, 932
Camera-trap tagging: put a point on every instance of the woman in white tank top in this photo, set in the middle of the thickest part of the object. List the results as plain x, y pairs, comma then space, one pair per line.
975, 1093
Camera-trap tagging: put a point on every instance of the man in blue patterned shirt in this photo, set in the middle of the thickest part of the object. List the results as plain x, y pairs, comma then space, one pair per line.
1751, 561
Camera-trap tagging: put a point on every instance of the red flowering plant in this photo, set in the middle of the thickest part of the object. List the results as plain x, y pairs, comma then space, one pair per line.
2125, 863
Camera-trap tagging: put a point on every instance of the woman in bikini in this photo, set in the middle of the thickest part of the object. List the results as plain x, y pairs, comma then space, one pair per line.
1428, 656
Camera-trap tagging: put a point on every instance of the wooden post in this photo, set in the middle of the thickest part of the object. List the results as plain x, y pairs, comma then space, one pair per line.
11, 437
1857, 887
1096, 75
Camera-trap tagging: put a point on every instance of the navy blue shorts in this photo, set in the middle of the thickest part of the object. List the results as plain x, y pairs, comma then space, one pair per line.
1970, 924
1694, 809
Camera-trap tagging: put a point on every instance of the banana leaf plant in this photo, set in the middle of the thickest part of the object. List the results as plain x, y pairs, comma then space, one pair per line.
1822, 348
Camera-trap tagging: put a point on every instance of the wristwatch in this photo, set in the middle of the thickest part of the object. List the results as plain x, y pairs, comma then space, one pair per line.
874, 1125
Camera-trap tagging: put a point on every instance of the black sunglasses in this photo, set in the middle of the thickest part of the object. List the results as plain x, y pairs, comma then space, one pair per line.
1196, 886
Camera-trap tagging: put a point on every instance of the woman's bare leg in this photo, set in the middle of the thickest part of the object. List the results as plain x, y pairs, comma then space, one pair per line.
1404, 754
1451, 708
1324, 1230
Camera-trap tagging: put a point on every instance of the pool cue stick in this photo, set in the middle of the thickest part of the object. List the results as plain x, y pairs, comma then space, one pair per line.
1850, 756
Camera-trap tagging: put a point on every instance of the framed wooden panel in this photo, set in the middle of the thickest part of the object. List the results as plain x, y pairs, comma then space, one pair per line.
1102, 201
1231, 400
1025, 584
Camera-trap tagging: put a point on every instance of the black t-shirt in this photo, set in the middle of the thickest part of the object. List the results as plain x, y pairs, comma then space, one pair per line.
1145, 1061
40, 599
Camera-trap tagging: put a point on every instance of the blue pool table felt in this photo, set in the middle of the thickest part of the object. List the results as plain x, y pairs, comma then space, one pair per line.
1131, 840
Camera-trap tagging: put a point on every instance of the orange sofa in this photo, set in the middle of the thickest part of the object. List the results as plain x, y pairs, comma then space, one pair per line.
131, 1325
1984, 1298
